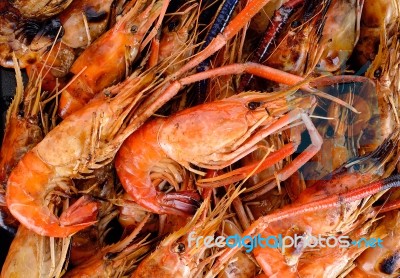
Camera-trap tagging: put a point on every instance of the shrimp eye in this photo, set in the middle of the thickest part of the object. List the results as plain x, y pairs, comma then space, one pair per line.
378, 72
356, 167
329, 132
295, 23
253, 105
389, 265
172, 25
179, 248
134, 29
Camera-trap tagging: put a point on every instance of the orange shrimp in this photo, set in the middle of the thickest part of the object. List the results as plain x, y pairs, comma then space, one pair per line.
343, 129
176, 255
339, 36
53, 66
377, 17
161, 147
87, 243
336, 261
85, 141
294, 51
107, 60
324, 207
131, 214
336, 201
29, 40
384, 72
240, 266
176, 38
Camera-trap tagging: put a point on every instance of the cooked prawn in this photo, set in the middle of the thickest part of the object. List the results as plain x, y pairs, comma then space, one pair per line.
370, 168
238, 123
85, 141
106, 61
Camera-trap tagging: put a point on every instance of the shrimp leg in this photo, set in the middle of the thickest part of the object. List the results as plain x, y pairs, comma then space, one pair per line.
223, 17
220, 40
270, 38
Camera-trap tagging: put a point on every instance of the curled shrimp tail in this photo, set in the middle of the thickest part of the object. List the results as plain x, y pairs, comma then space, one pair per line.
43, 218
84, 210
82, 214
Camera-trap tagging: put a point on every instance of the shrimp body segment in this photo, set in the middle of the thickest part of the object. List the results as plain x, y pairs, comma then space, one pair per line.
211, 136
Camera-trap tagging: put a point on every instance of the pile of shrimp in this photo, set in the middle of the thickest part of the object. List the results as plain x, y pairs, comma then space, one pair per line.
141, 131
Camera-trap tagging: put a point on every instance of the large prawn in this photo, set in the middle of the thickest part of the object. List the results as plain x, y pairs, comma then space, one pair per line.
341, 190
228, 129
384, 72
370, 168
85, 141
342, 130
107, 60
47, 166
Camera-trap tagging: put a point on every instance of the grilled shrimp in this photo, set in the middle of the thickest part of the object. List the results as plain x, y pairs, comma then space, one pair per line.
54, 65
85, 141
28, 39
294, 50
326, 220
370, 168
343, 129
176, 37
339, 36
114, 260
384, 72
330, 262
377, 17
228, 129
106, 61
240, 266
320, 205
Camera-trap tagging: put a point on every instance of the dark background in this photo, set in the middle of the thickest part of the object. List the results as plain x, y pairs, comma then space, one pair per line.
7, 87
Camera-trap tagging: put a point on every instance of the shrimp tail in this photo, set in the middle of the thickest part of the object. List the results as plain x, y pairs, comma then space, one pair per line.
41, 221
84, 210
